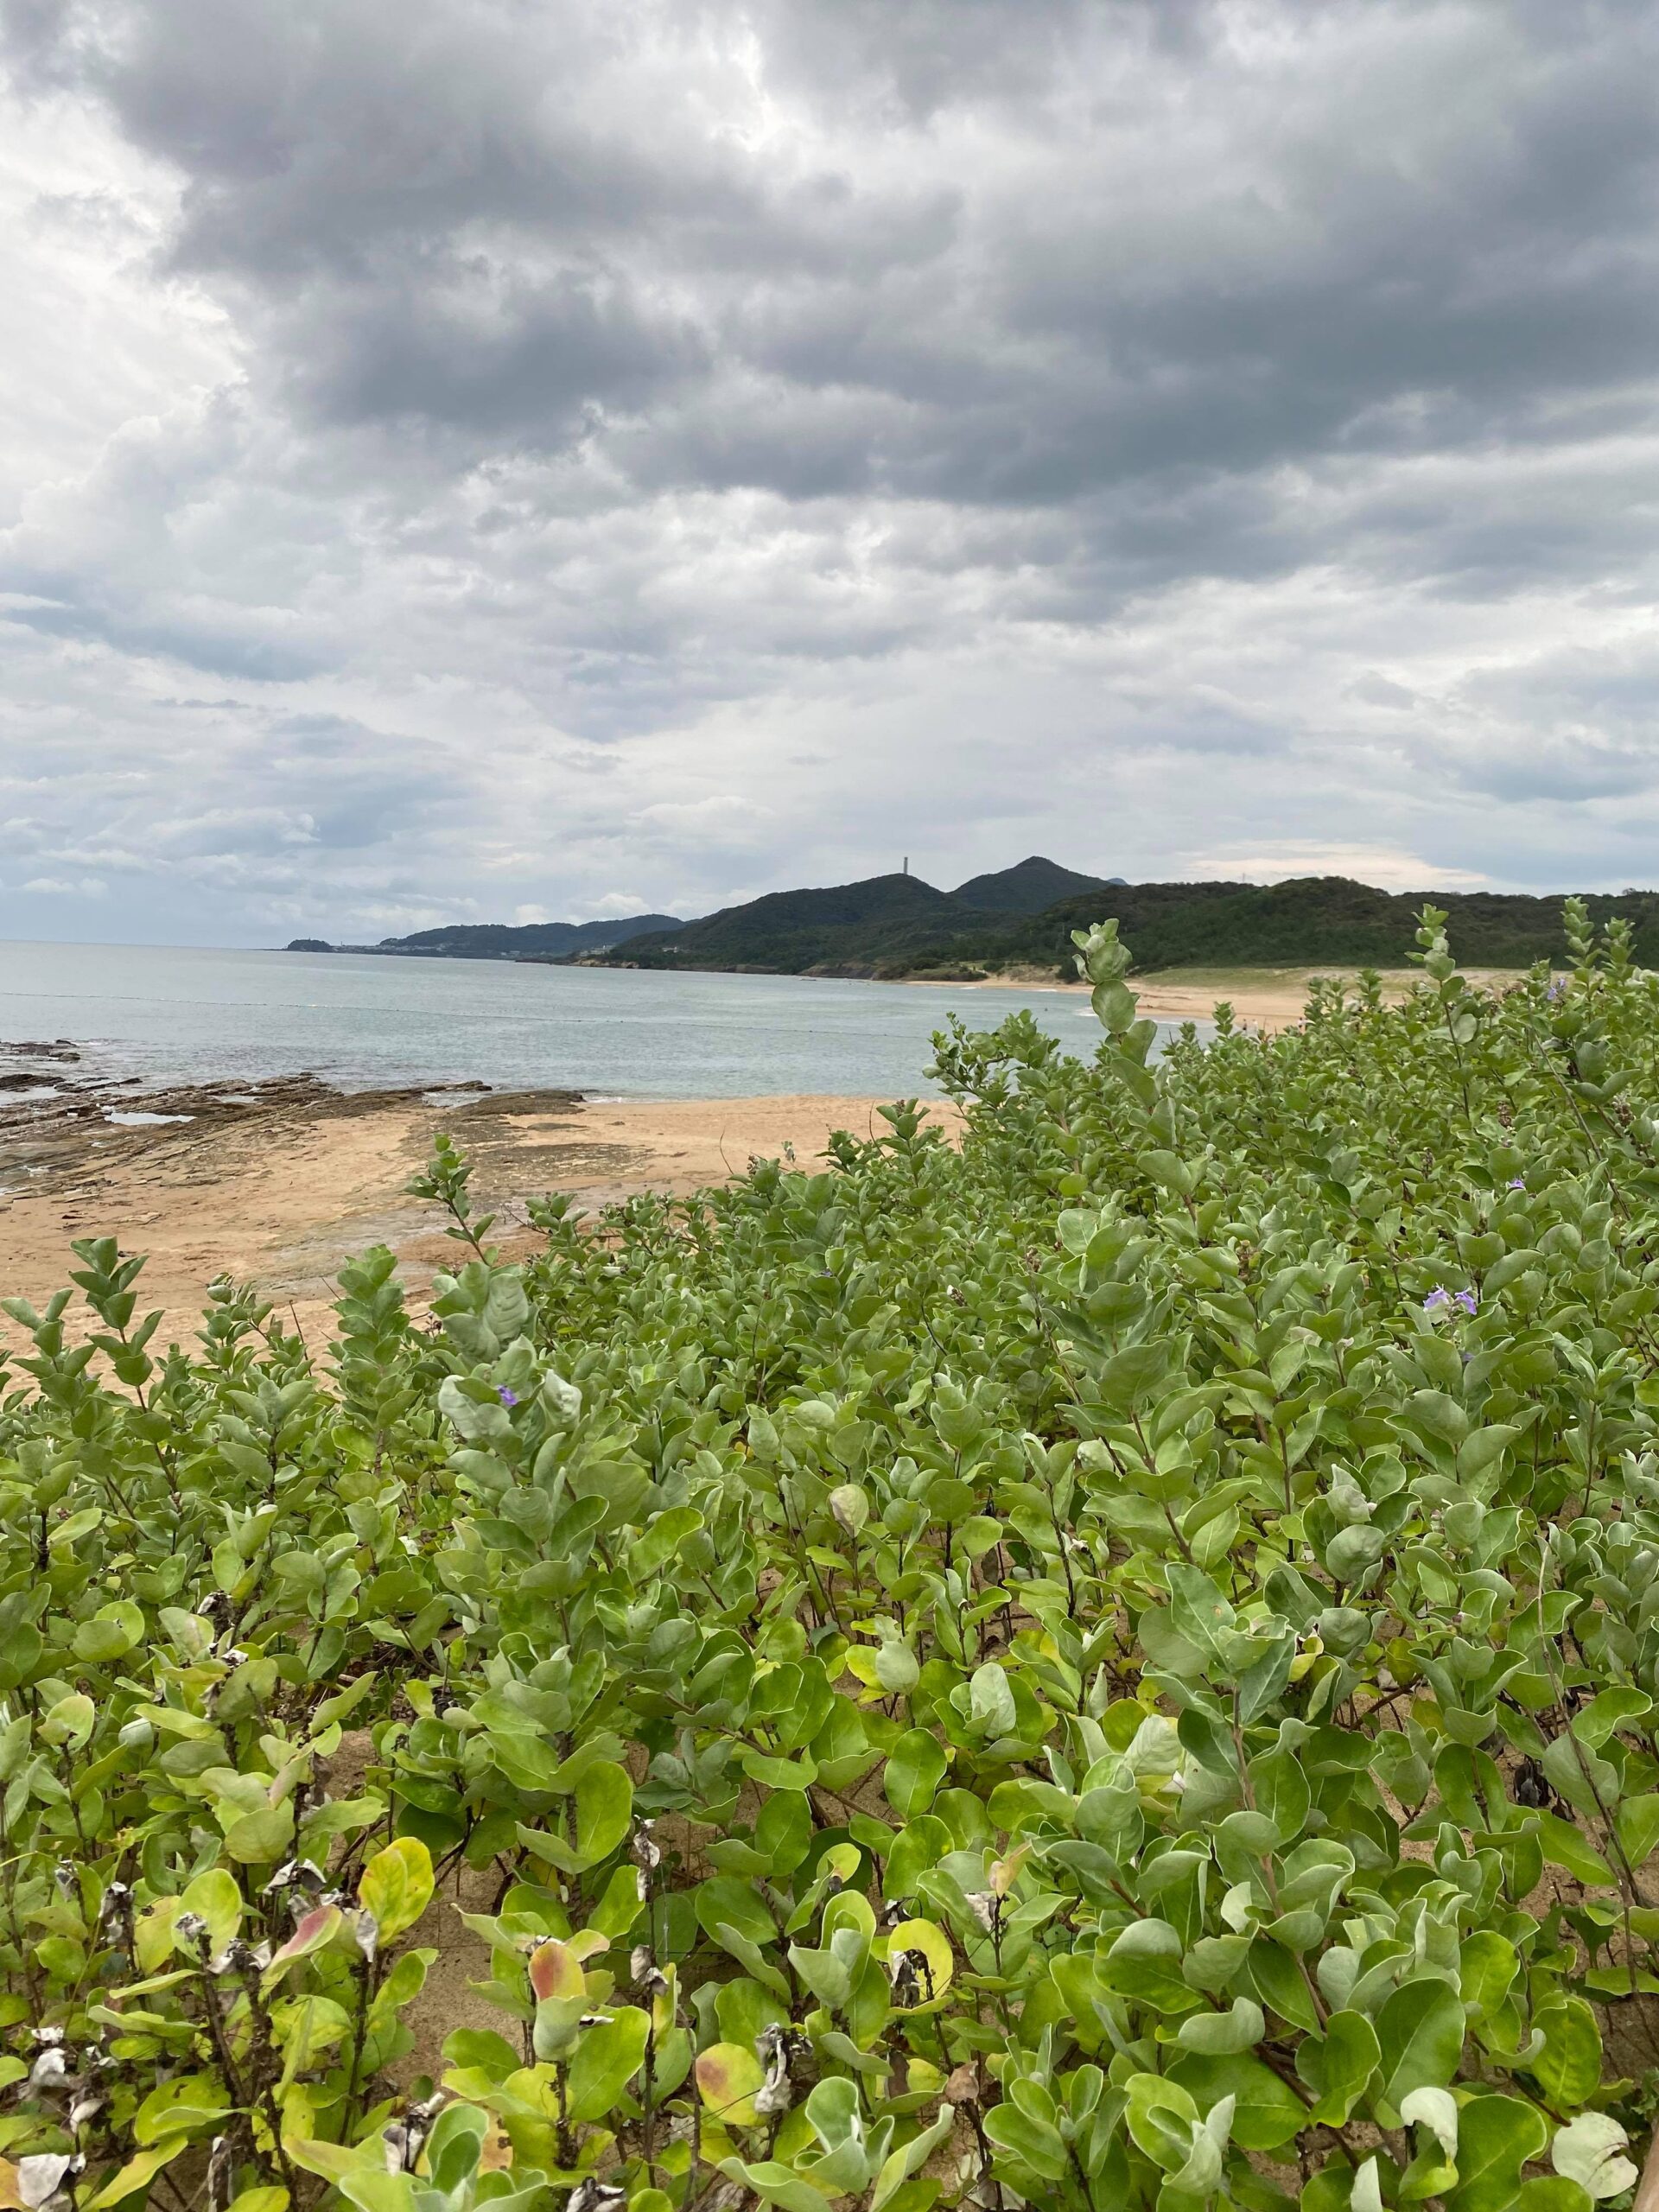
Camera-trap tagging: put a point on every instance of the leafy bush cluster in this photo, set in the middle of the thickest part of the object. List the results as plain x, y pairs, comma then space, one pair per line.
1115, 1666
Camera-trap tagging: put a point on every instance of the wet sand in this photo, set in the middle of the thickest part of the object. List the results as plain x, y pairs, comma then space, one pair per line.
279, 1183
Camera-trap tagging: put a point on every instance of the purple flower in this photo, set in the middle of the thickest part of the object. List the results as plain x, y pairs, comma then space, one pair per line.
1557, 987
1467, 1299
1516, 1183
508, 1397
1439, 1298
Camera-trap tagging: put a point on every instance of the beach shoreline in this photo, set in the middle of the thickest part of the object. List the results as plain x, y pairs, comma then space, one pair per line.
278, 1183
286, 1183
1265, 998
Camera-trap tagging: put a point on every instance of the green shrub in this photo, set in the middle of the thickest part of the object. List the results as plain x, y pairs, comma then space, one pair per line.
1113, 1666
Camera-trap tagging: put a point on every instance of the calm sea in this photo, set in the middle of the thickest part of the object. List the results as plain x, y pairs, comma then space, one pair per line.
364, 1021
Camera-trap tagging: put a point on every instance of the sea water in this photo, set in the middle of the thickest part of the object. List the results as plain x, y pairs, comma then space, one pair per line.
366, 1020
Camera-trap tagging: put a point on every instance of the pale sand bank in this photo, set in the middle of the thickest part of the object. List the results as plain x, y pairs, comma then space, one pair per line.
283, 1199
1269, 999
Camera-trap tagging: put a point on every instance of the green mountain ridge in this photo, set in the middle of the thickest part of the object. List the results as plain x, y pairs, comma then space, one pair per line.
894, 927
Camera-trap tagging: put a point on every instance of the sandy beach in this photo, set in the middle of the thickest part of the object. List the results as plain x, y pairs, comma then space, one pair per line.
279, 1183
1268, 999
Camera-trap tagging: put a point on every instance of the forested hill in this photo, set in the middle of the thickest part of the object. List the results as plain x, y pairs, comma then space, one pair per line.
896, 925
1031, 886
504, 940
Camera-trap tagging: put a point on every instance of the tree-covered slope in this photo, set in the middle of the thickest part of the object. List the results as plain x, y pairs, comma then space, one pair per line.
853, 924
888, 924
1313, 921
1112, 1665
1317, 919
1031, 886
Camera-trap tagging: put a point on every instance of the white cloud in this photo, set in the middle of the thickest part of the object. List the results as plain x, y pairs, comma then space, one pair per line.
1381, 866
453, 462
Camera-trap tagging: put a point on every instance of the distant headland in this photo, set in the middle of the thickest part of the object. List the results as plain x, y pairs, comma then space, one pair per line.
503, 940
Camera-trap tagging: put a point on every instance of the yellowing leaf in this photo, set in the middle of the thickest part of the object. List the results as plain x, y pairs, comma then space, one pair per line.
153, 1933
728, 2073
554, 1971
396, 1886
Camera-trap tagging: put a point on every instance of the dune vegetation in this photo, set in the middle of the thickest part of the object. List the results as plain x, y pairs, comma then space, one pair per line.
1115, 1664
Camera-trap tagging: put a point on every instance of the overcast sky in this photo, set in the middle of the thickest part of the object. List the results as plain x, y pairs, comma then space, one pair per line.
494, 458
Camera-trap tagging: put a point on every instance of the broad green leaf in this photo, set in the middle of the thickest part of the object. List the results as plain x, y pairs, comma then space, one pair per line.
259, 1839
1568, 2067
916, 1766
1637, 1822
1497, 2136
1338, 2064
1564, 1847
1552, 2193
137, 2173
1420, 2029
772, 2183
604, 1798
606, 2059
1268, 2111
1031, 2141
180, 2108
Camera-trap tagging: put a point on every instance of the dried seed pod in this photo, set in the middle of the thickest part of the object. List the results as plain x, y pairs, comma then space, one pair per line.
50, 2071
595, 2196
905, 1978
643, 1851
220, 2172
296, 1874
116, 1911
777, 2093
41, 2179
1531, 1786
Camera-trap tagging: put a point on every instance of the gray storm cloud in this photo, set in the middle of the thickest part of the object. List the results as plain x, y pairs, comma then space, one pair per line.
467, 456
